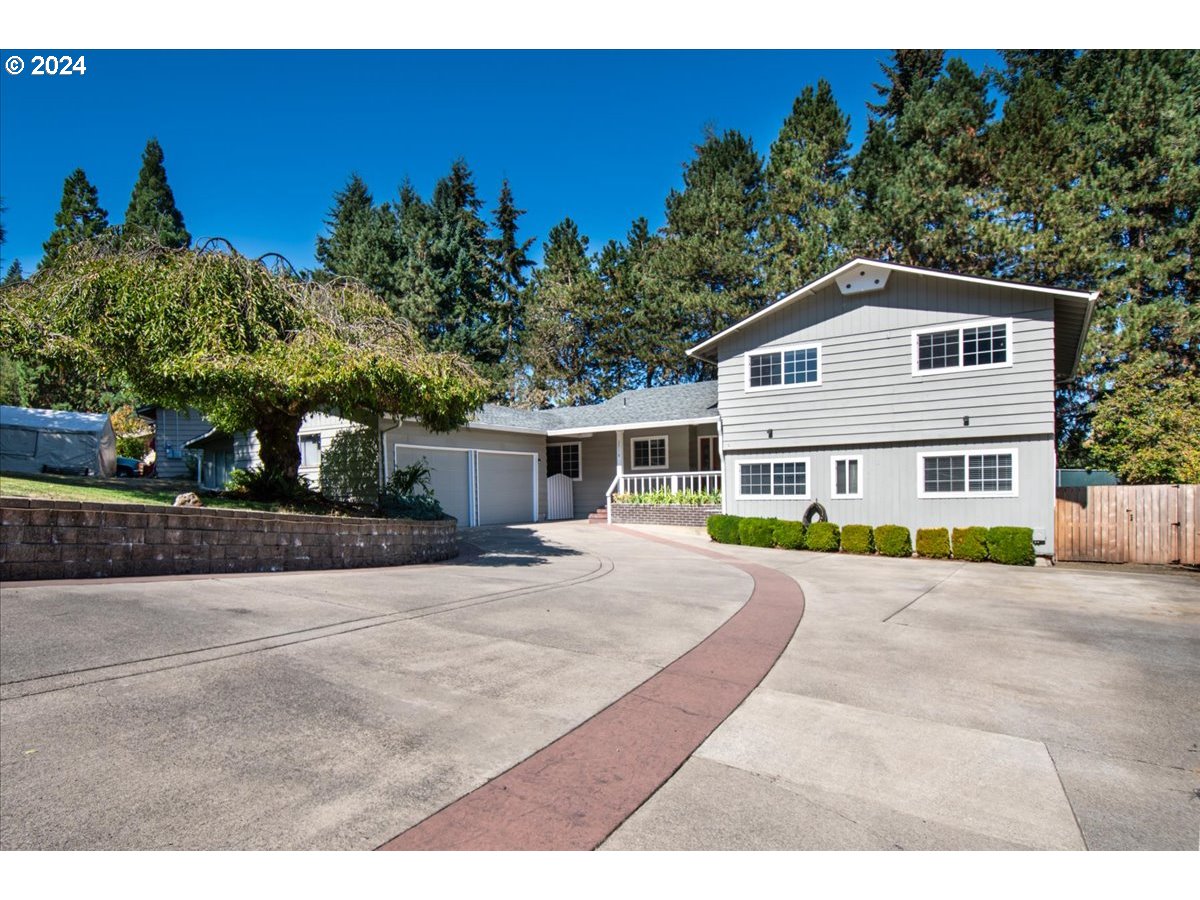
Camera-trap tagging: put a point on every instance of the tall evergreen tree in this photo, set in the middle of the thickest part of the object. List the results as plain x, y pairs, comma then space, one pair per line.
509, 260
807, 196
922, 180
79, 218
708, 266
14, 274
565, 303
152, 211
910, 75
361, 240
631, 352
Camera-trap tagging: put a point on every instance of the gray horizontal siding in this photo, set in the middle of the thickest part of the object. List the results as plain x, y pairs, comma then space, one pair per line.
890, 487
868, 391
173, 429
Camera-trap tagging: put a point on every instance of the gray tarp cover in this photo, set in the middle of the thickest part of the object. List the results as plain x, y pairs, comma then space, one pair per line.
33, 438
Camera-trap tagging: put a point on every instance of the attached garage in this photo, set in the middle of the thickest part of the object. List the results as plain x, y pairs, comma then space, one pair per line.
478, 487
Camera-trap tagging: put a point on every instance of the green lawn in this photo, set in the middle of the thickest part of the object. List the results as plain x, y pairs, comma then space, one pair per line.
114, 490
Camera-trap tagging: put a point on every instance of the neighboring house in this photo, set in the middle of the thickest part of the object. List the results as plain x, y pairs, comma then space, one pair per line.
888, 394
172, 431
51, 440
895, 395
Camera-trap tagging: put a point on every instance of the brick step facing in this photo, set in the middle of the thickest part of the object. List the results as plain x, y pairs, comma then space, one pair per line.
599, 517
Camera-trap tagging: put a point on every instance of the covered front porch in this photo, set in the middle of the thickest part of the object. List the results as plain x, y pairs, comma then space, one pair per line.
668, 462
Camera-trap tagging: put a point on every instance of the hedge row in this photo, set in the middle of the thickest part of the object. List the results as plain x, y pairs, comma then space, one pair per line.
1011, 546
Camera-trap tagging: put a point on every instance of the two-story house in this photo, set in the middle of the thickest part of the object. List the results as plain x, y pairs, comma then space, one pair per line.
887, 394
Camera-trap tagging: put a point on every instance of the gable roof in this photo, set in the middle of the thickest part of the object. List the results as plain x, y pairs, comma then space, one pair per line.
1072, 310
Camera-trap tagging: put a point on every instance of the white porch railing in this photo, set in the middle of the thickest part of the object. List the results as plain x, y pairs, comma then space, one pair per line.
672, 482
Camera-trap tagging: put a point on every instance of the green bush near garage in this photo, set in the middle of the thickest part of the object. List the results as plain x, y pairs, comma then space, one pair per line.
858, 539
933, 543
790, 535
824, 537
969, 543
1011, 546
723, 529
893, 540
755, 532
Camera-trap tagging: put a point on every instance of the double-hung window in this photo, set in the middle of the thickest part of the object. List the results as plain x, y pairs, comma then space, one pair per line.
310, 449
649, 452
792, 366
846, 477
974, 346
564, 459
991, 473
763, 478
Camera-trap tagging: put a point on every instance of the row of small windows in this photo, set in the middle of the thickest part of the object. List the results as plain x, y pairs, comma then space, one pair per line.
950, 348
940, 474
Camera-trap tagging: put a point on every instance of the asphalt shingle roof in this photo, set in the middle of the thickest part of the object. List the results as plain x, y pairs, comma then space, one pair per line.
697, 400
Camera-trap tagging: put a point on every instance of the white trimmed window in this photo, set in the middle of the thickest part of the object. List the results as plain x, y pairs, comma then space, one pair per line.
845, 477
793, 366
310, 449
764, 478
565, 459
649, 452
990, 473
980, 345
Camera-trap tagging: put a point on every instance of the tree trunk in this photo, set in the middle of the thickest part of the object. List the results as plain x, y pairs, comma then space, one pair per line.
278, 443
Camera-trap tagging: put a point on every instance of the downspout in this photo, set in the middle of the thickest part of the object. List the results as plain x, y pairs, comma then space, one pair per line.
383, 475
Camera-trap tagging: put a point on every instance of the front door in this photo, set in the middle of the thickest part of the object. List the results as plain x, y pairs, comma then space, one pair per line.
710, 456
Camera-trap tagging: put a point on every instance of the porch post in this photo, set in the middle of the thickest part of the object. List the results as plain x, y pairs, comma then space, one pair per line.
620, 472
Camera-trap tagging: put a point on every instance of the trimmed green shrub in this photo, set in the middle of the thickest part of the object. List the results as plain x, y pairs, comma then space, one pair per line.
858, 539
1011, 546
755, 532
823, 536
350, 466
933, 543
893, 540
723, 529
789, 535
969, 543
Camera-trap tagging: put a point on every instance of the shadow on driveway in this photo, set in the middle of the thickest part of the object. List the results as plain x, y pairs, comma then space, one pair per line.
497, 546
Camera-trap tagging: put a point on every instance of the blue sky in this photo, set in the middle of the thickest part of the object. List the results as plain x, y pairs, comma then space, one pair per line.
256, 142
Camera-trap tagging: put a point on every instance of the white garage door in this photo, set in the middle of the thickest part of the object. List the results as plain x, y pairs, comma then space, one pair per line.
449, 480
506, 487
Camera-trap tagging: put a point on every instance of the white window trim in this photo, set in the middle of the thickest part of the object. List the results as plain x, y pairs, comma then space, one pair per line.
960, 368
966, 492
782, 348
716, 450
633, 466
761, 460
833, 461
578, 444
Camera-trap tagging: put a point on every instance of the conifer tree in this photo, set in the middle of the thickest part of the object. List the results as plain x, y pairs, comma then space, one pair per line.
807, 196
152, 211
79, 218
509, 258
910, 75
14, 273
361, 240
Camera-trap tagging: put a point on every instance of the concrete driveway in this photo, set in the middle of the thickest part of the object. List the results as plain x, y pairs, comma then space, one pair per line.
920, 704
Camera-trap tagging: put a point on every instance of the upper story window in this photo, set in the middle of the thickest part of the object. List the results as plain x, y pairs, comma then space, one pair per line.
564, 459
783, 367
981, 345
649, 452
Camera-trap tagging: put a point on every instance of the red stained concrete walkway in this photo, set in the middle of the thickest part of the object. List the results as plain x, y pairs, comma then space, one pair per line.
575, 792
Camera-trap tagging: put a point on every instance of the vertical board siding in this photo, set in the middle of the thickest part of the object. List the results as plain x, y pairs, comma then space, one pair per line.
1154, 524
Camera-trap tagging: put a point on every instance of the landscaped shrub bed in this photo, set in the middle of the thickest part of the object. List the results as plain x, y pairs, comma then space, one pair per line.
893, 540
757, 532
1006, 545
933, 543
824, 537
789, 535
723, 529
1011, 546
970, 543
858, 539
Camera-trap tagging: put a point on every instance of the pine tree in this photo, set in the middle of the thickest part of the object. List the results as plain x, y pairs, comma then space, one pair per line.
152, 212
14, 274
910, 75
807, 196
630, 350
79, 217
708, 266
564, 308
361, 240
508, 258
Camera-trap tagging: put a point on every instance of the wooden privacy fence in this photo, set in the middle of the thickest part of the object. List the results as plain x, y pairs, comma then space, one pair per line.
1145, 523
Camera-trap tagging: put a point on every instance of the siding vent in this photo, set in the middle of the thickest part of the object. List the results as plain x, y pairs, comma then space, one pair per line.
864, 280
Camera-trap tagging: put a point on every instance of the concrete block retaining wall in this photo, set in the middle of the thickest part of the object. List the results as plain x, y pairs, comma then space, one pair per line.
646, 514
60, 539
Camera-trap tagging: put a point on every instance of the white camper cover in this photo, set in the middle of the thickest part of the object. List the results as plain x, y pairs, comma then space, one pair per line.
33, 438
